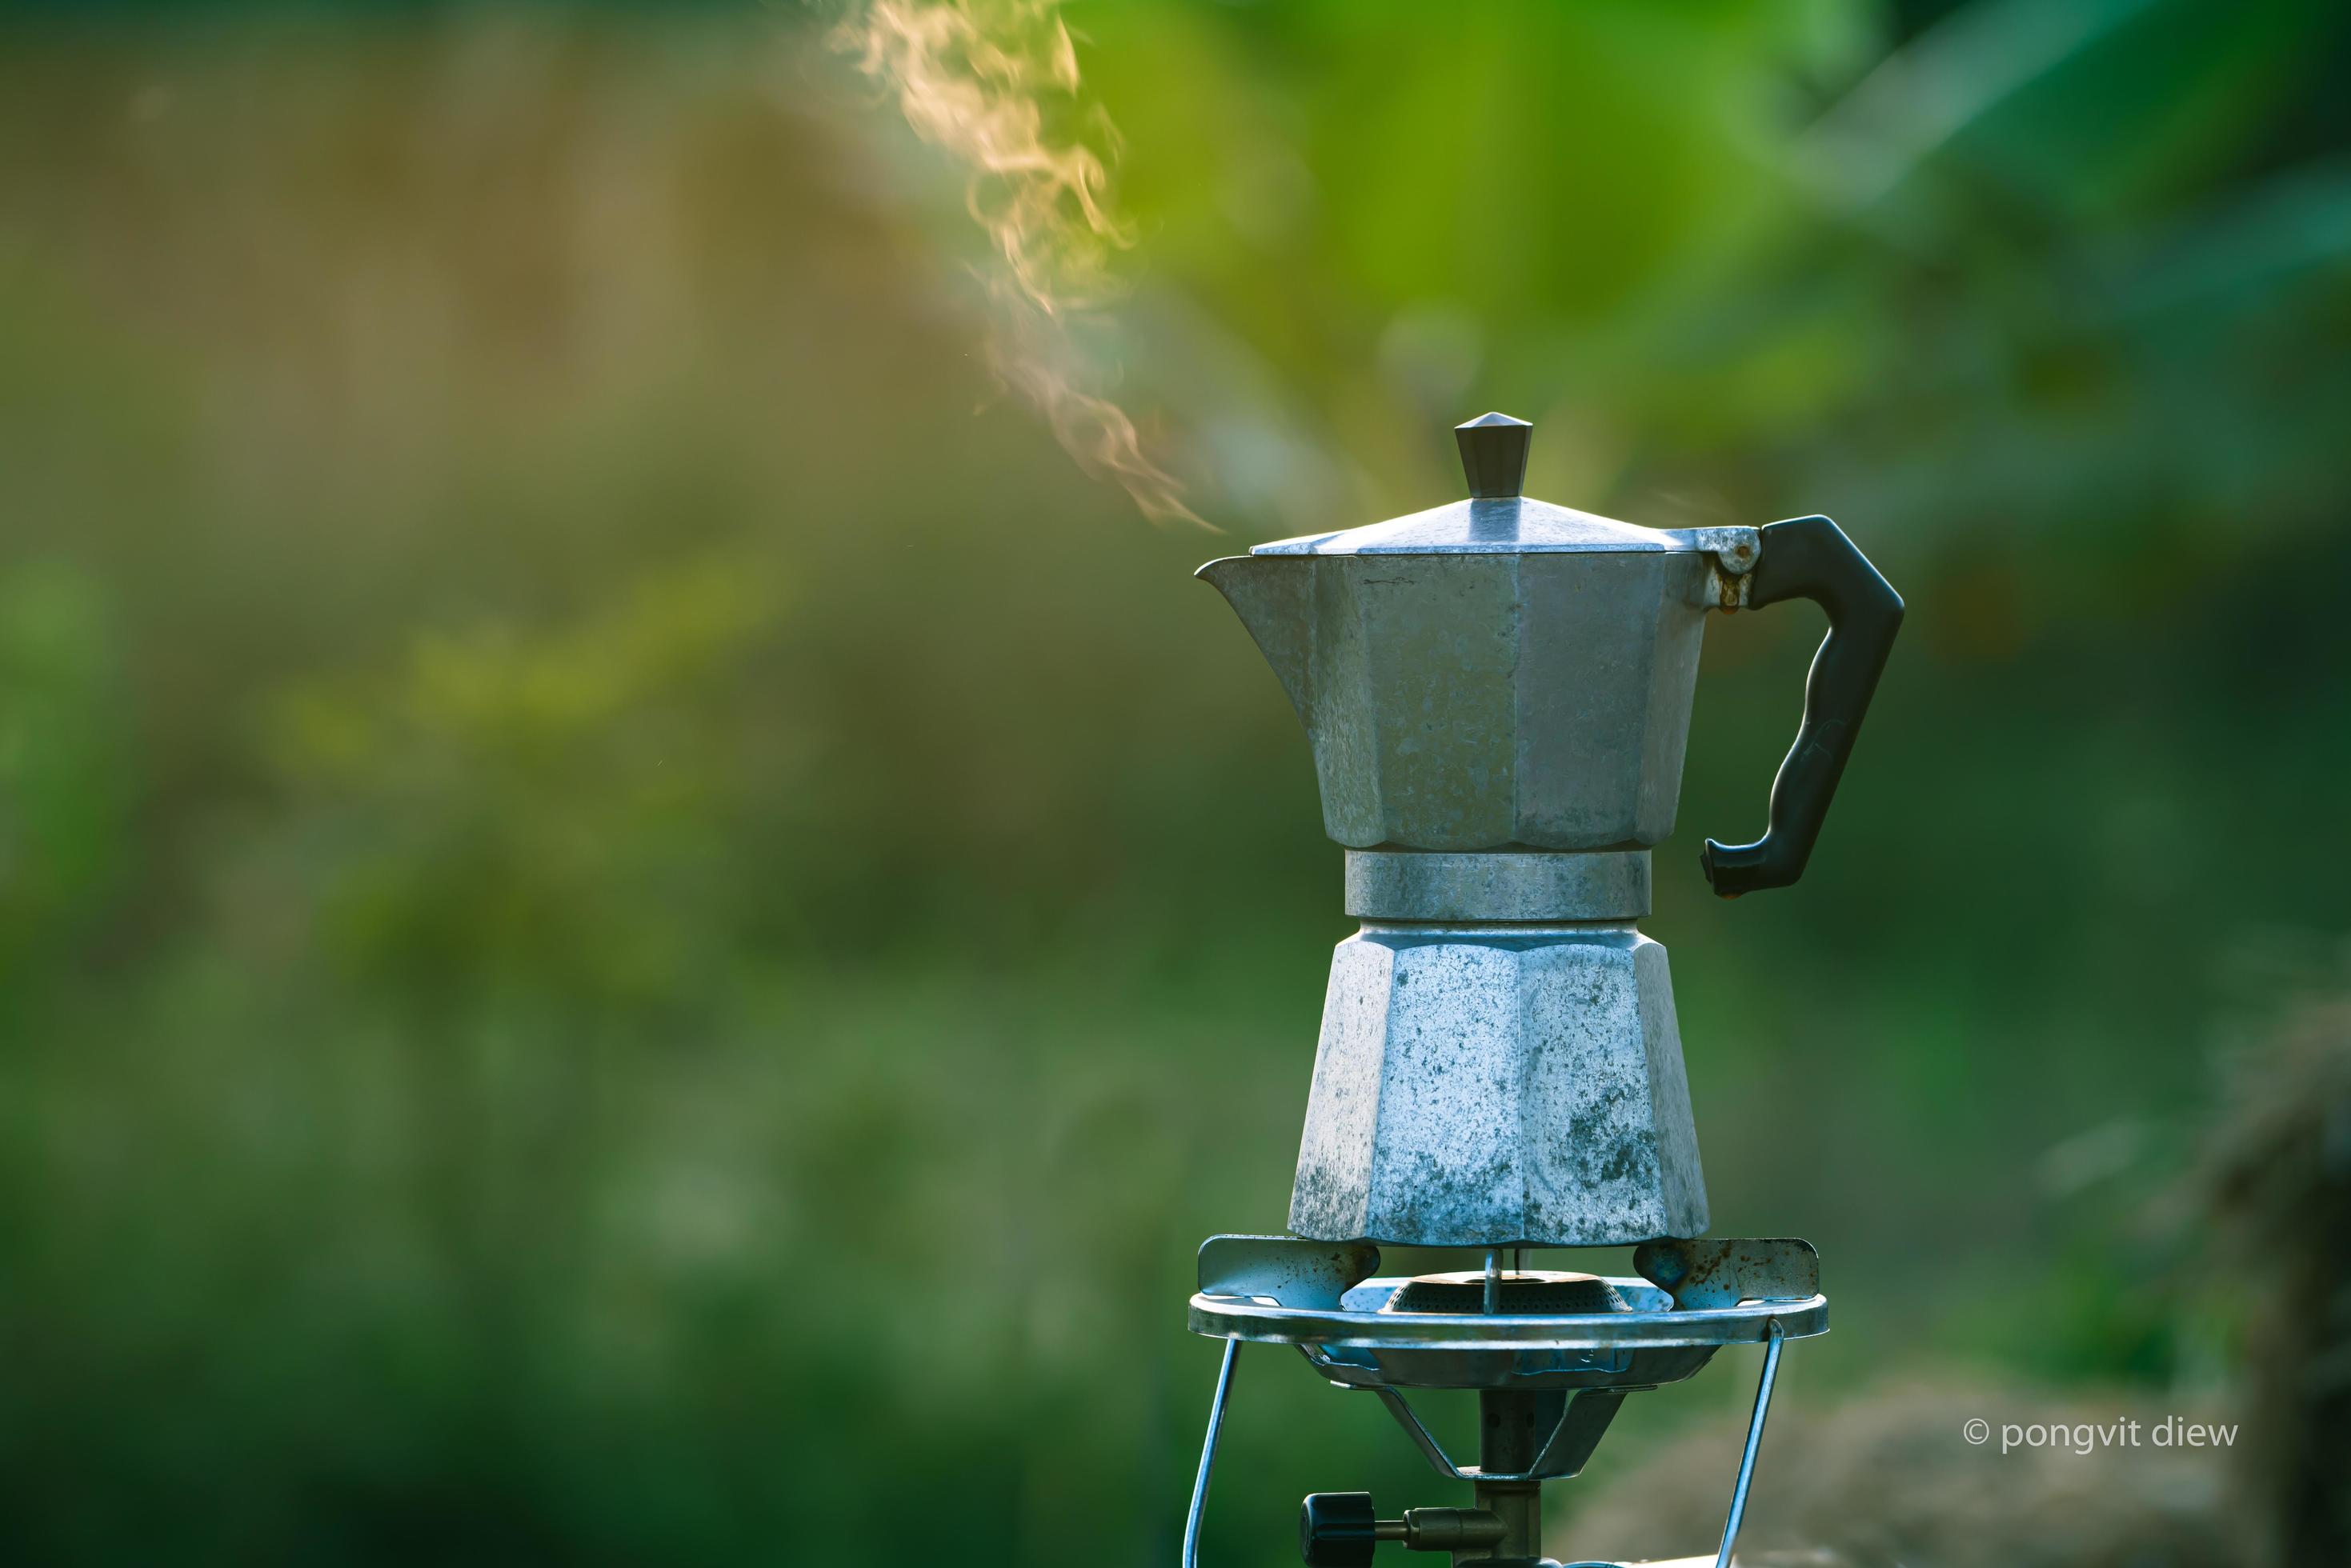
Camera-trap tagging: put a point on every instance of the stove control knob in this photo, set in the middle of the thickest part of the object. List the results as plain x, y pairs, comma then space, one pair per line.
1337, 1529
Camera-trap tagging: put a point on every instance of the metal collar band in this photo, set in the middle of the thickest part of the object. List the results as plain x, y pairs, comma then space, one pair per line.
1606, 885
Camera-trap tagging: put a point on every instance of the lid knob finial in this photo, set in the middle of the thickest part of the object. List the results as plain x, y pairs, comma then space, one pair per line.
1494, 454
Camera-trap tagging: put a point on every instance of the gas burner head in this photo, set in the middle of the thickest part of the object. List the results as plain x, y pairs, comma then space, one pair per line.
1553, 1332
1543, 1292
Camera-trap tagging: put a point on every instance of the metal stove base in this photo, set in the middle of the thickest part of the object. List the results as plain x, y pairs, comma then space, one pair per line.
1547, 1383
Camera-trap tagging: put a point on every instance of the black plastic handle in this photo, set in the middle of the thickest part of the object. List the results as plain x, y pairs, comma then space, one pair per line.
1811, 558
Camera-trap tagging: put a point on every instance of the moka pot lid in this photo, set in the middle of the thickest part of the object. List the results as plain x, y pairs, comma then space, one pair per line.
1497, 520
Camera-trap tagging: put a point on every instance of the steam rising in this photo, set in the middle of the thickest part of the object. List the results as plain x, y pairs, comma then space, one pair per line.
975, 77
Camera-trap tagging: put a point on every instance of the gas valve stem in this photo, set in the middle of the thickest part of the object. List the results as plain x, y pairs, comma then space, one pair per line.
1339, 1530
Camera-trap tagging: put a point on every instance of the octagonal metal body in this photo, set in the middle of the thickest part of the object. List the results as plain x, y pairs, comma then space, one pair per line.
1492, 1085
1468, 699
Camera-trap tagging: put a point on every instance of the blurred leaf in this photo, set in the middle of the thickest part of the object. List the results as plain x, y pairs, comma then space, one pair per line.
65, 783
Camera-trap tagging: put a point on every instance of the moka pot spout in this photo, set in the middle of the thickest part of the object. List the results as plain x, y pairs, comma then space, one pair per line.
1272, 597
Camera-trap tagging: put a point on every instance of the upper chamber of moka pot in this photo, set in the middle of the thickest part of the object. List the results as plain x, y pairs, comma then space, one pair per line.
1495, 673
1498, 696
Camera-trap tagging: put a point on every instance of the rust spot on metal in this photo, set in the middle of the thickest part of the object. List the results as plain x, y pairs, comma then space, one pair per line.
1723, 1272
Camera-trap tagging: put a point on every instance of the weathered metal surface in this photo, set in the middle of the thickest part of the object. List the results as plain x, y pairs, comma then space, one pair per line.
1726, 1271
1470, 701
1498, 671
1727, 590
1735, 550
1599, 886
1484, 1086
1284, 1269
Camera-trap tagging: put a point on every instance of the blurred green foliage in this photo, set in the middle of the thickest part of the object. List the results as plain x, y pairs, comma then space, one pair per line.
626, 932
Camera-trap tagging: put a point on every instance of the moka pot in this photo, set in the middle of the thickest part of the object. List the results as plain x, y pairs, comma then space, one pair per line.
1498, 696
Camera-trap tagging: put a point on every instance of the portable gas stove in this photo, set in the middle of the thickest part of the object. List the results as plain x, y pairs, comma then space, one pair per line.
1497, 694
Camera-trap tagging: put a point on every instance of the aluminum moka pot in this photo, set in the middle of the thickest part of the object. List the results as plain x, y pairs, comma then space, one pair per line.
1498, 696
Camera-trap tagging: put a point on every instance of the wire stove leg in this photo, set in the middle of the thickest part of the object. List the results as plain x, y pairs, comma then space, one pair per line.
1774, 1337
1209, 1450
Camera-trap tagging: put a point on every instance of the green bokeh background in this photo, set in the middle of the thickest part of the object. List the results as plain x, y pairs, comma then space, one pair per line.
636, 926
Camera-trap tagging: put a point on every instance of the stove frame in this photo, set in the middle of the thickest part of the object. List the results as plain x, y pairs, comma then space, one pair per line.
1547, 1383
